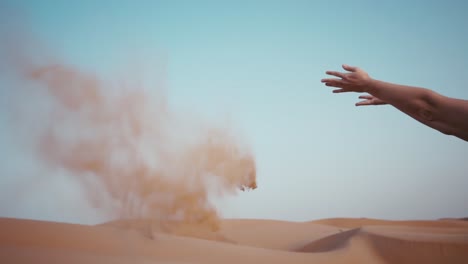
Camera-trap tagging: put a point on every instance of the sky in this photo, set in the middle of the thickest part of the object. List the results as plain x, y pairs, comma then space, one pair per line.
257, 65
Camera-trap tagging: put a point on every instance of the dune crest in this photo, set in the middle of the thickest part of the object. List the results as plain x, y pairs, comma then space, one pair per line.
360, 222
329, 243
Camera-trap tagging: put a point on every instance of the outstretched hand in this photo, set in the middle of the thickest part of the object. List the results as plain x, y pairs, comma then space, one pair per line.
356, 80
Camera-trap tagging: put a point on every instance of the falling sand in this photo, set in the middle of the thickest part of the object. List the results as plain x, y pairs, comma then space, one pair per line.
135, 157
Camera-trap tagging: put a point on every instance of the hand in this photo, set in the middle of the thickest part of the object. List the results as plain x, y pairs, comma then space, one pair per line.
355, 81
370, 100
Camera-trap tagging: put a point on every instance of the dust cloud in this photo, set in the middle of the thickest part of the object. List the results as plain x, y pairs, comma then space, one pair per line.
134, 155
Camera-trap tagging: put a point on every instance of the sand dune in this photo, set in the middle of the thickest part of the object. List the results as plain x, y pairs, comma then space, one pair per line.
402, 244
237, 241
329, 243
265, 233
360, 222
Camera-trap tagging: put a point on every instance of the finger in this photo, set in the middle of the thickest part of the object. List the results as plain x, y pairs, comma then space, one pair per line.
330, 80
365, 102
370, 102
335, 73
341, 91
368, 97
350, 68
380, 103
334, 84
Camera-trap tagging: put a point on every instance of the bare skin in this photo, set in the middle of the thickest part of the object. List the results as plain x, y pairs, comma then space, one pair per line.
445, 114
370, 100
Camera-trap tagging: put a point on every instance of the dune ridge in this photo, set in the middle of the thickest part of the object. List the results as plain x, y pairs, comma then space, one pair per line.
329, 243
392, 246
406, 249
360, 222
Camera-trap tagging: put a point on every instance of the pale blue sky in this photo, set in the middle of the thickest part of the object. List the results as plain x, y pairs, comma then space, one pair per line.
260, 64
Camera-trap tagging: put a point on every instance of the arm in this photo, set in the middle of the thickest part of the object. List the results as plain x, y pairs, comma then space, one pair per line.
447, 115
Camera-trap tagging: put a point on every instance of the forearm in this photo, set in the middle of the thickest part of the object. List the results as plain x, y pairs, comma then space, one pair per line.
421, 104
406, 98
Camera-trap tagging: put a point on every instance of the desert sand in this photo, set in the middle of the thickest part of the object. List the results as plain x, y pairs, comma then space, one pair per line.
330, 241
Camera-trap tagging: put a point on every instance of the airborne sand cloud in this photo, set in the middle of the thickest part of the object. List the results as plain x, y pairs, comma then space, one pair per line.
135, 157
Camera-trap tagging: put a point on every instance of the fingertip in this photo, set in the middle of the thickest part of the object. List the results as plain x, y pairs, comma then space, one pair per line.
349, 68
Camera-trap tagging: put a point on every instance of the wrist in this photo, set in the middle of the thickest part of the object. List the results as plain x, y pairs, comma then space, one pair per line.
370, 86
